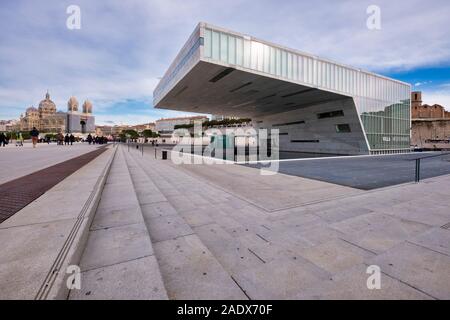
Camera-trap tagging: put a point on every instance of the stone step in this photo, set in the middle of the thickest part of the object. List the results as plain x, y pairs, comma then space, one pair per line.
118, 261
232, 229
189, 269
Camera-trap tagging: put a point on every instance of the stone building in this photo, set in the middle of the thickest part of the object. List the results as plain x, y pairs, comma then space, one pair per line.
48, 120
80, 122
430, 125
425, 111
45, 118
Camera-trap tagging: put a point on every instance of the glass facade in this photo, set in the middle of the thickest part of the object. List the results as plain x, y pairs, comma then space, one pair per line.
383, 104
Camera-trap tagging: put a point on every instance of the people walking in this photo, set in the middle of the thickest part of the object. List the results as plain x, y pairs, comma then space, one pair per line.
72, 139
2, 139
34, 136
66, 139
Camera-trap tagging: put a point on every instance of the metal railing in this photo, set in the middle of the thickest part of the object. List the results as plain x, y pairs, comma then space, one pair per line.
418, 164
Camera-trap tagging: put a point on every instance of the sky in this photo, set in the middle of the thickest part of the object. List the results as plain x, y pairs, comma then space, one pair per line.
123, 48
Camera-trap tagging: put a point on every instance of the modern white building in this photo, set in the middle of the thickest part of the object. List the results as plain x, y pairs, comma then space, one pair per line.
318, 105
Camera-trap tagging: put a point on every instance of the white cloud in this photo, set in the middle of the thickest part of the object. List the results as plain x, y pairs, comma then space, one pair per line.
441, 97
123, 47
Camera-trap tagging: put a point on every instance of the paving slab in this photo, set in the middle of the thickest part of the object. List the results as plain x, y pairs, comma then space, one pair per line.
131, 280
159, 209
115, 245
437, 239
335, 256
421, 268
27, 255
167, 227
279, 279
228, 250
351, 284
191, 272
382, 237
112, 217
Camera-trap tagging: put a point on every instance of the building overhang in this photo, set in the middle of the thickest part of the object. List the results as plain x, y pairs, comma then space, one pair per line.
226, 90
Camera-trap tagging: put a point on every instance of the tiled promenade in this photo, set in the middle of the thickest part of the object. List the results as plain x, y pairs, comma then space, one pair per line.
18, 193
226, 232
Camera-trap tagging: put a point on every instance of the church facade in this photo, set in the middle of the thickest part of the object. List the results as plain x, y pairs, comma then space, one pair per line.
47, 119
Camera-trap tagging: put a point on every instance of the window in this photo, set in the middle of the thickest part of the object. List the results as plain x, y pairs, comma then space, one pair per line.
343, 128
287, 123
331, 114
305, 141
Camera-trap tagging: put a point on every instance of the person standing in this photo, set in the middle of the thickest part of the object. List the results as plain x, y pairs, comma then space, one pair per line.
72, 139
19, 141
89, 138
34, 136
66, 139
2, 139
60, 139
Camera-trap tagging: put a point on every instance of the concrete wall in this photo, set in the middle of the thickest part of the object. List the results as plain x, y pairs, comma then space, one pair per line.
322, 130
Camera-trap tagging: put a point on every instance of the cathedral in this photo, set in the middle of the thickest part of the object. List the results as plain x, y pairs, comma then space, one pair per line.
48, 120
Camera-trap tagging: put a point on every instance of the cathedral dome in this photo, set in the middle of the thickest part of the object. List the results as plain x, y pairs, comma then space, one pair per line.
87, 107
31, 109
47, 105
72, 104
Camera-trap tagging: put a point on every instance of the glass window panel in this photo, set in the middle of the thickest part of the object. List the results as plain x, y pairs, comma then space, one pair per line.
289, 66
215, 46
207, 46
284, 63
239, 51
231, 50
224, 47
273, 60
266, 59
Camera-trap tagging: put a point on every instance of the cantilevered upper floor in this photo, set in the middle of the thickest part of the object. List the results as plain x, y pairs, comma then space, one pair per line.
224, 72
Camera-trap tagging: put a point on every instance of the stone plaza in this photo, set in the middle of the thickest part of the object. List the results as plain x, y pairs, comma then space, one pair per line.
139, 227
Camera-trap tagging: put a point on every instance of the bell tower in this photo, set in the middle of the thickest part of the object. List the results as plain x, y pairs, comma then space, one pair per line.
416, 99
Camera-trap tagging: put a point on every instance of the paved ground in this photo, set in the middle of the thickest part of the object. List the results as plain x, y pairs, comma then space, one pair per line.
18, 193
368, 172
207, 235
21, 161
225, 232
42, 239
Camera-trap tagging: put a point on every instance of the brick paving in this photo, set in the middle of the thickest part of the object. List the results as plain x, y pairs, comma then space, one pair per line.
18, 193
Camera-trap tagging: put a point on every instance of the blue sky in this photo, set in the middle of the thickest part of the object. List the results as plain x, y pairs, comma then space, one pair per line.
124, 47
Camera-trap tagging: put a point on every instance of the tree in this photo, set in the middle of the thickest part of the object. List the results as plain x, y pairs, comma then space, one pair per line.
131, 133
147, 133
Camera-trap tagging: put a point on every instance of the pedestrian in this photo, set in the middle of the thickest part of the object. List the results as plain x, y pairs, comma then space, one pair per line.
72, 139
19, 139
34, 136
89, 138
60, 139
66, 139
2, 139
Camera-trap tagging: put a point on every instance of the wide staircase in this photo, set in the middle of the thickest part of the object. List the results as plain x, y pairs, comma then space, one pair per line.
141, 247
